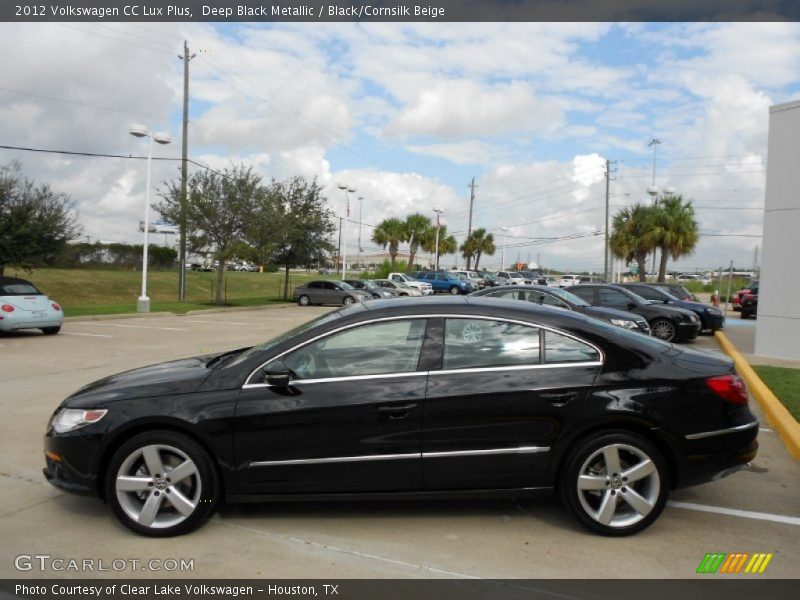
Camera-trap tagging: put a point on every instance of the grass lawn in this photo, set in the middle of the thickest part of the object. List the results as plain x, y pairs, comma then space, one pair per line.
95, 291
785, 384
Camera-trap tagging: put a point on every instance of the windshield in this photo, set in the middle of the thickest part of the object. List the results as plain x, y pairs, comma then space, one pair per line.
515, 276
331, 316
667, 291
568, 297
345, 286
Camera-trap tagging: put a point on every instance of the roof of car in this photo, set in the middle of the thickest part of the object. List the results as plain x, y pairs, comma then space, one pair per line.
4, 280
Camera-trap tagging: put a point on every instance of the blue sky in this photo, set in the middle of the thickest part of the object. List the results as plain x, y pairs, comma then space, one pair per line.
409, 113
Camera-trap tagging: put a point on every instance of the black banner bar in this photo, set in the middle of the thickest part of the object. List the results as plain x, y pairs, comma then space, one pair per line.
398, 10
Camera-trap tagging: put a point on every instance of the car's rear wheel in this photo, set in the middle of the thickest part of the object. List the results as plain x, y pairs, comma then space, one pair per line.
51, 330
454, 290
663, 329
162, 483
615, 483
304, 300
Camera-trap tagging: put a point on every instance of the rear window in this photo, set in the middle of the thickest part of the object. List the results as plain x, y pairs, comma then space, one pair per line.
18, 289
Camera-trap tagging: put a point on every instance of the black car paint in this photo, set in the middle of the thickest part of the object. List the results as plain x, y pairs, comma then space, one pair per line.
598, 312
643, 385
686, 328
652, 292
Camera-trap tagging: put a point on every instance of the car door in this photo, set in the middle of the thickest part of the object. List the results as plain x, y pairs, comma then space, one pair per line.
499, 400
349, 421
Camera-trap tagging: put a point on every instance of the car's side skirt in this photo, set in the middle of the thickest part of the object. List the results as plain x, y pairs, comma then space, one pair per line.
528, 492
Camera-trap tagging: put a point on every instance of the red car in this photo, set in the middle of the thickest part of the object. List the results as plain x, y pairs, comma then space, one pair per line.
751, 289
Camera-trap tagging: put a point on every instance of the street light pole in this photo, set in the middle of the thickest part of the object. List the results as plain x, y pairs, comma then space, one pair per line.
143, 304
438, 212
347, 192
503, 253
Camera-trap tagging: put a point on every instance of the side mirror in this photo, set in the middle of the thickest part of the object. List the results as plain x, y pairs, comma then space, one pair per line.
277, 373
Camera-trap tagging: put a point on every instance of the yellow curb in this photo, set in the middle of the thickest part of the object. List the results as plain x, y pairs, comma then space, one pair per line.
777, 414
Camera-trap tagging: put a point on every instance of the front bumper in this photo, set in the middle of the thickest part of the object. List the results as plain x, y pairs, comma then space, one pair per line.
712, 322
71, 462
687, 331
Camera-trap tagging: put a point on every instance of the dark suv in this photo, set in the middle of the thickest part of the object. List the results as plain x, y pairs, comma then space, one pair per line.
668, 323
710, 317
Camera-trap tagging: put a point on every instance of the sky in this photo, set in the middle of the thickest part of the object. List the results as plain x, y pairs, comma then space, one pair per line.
408, 114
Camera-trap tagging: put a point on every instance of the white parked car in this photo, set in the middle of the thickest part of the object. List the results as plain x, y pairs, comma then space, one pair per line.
513, 278
568, 280
425, 288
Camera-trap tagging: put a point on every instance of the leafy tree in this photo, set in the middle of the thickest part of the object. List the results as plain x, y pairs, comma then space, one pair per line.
418, 230
305, 225
447, 243
633, 236
676, 230
35, 222
477, 244
219, 209
391, 232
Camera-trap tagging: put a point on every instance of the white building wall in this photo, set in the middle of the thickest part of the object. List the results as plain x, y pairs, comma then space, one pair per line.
778, 328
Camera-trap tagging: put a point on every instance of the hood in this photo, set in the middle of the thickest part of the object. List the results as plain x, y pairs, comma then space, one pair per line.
175, 377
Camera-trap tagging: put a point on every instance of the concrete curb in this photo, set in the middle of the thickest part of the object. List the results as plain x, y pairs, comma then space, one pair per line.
208, 311
782, 420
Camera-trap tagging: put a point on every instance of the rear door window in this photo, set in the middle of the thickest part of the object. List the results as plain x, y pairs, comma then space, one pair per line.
483, 343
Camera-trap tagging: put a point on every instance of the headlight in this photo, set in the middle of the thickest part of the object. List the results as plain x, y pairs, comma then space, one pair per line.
693, 317
70, 419
624, 323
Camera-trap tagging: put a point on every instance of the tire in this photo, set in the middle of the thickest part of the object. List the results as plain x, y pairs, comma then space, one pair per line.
198, 488
587, 490
348, 300
304, 300
664, 329
454, 290
744, 315
51, 330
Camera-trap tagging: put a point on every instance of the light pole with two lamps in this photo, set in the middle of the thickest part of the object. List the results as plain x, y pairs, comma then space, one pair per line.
143, 304
347, 191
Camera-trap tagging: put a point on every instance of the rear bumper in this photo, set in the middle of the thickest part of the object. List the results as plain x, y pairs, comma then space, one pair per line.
716, 454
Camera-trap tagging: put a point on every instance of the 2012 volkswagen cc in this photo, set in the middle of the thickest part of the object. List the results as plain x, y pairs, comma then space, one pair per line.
460, 397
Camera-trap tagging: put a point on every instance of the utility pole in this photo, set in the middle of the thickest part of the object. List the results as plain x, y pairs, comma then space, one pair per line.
360, 211
339, 249
438, 212
472, 187
186, 57
608, 197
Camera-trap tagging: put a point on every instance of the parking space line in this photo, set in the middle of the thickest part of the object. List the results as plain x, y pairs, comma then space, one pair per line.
733, 512
102, 335
764, 429
130, 326
215, 322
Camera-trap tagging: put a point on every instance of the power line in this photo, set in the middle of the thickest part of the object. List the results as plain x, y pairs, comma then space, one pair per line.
84, 104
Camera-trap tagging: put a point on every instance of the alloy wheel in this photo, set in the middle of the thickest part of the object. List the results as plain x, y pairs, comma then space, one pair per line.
158, 486
618, 485
663, 330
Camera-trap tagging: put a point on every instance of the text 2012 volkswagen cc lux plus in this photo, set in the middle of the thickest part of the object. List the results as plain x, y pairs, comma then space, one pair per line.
460, 397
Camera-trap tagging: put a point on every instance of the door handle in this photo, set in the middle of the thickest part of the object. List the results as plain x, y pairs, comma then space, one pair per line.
396, 412
559, 398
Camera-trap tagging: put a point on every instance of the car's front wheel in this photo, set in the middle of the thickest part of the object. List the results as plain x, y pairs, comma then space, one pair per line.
304, 300
454, 290
663, 329
162, 483
615, 483
348, 300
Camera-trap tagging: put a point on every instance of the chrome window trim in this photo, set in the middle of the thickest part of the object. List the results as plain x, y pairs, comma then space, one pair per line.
415, 455
516, 367
716, 432
248, 385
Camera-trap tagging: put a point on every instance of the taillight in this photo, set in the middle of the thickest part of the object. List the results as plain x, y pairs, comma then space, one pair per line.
730, 388
7, 308
55, 306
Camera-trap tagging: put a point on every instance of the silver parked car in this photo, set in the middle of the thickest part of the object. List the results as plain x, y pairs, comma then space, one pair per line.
22, 306
401, 288
329, 292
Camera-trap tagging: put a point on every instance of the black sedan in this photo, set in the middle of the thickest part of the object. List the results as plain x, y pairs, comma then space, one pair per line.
668, 323
455, 397
711, 318
547, 296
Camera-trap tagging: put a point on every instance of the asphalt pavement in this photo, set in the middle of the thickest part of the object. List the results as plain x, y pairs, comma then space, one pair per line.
755, 510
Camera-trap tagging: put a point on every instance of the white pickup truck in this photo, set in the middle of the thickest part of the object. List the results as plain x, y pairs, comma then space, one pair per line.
422, 286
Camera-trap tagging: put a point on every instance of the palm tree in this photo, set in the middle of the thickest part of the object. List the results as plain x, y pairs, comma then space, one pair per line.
390, 232
633, 236
447, 243
477, 244
418, 229
675, 230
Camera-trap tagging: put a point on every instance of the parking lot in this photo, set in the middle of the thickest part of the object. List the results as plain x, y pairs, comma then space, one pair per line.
756, 510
